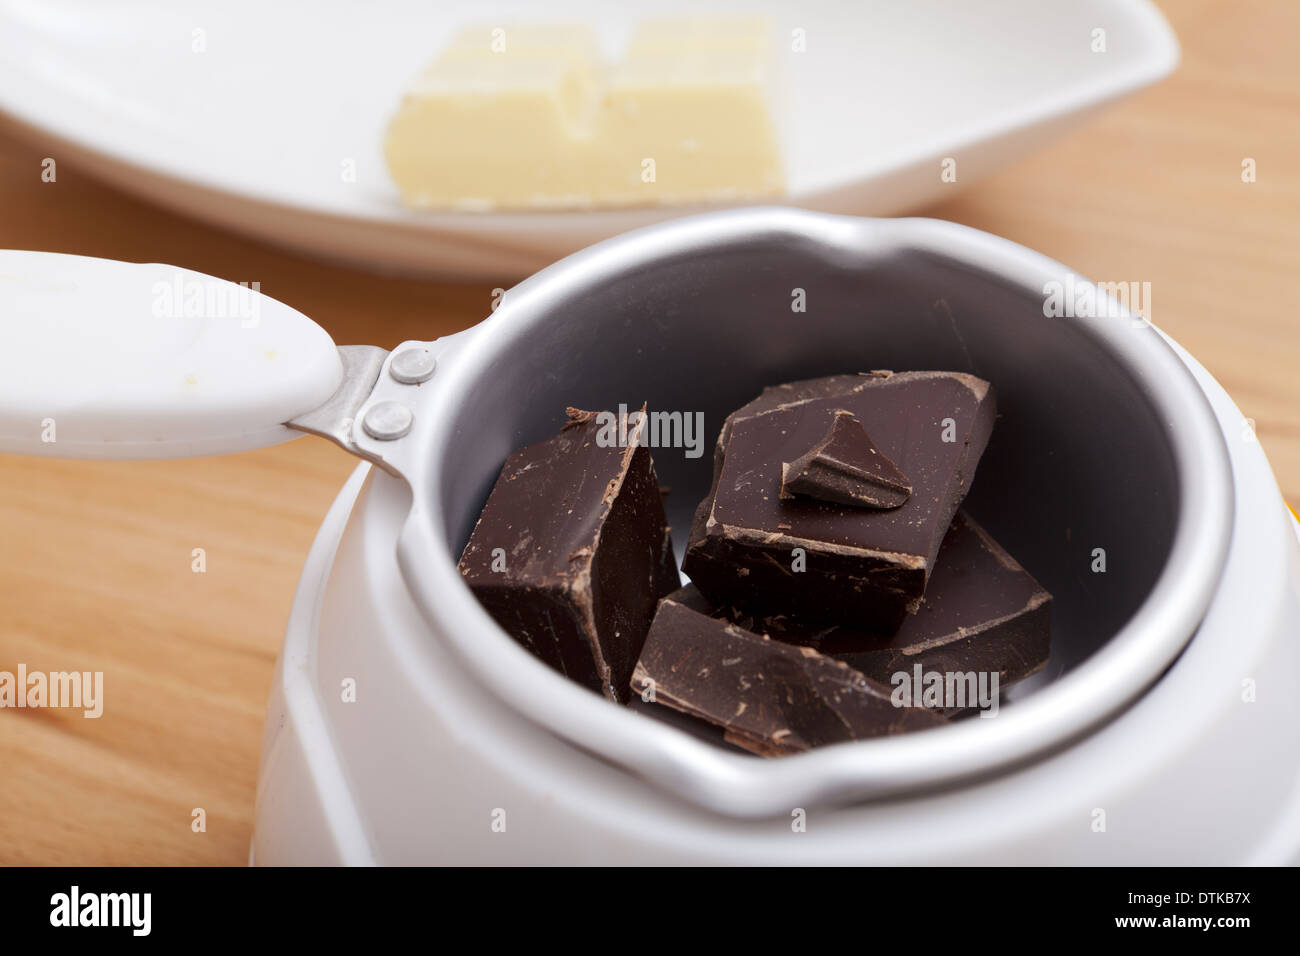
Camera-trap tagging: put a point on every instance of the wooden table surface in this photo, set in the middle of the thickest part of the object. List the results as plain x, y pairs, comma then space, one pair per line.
95, 558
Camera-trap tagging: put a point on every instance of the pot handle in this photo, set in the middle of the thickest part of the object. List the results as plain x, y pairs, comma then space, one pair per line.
106, 359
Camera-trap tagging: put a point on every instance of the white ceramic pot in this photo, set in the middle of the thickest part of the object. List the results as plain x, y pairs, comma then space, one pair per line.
406, 727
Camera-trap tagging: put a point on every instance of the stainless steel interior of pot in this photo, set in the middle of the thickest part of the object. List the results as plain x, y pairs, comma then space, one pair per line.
701, 314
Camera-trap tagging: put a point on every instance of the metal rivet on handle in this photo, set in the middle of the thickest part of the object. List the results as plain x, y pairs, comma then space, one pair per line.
413, 366
387, 421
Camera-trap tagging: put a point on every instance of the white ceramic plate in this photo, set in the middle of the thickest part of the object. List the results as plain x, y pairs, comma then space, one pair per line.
247, 112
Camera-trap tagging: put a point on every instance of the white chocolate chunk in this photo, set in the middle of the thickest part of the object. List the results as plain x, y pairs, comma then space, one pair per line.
528, 118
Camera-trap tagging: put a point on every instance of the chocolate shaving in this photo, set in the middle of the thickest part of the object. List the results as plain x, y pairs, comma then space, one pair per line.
845, 467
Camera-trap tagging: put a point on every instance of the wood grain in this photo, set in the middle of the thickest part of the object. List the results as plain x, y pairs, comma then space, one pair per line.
95, 558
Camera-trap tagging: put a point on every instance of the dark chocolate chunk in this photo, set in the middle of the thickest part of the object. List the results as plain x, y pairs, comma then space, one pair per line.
771, 698
847, 468
751, 548
572, 551
982, 612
